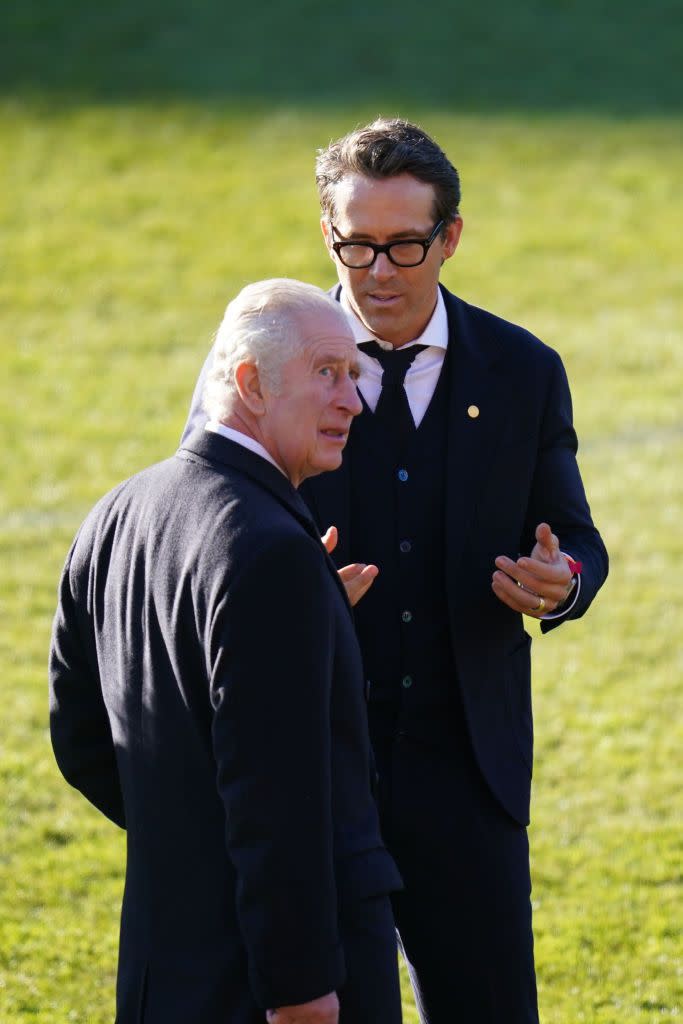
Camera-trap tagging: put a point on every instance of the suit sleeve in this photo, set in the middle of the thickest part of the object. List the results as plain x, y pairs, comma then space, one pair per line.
79, 725
271, 675
558, 496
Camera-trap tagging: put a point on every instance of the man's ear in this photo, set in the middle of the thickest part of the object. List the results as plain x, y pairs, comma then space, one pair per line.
248, 384
327, 235
453, 233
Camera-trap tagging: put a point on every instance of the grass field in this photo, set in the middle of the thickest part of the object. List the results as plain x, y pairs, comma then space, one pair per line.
152, 163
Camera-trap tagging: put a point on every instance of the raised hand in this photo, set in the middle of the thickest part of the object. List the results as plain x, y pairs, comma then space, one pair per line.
357, 577
537, 584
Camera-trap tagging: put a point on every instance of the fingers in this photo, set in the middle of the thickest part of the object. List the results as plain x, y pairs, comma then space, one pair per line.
358, 577
541, 578
357, 580
530, 585
547, 542
330, 538
544, 575
520, 600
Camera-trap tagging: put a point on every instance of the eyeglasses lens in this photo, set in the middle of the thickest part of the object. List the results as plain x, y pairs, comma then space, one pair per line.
404, 254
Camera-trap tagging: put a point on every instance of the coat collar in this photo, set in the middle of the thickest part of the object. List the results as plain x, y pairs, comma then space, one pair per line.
220, 452
480, 403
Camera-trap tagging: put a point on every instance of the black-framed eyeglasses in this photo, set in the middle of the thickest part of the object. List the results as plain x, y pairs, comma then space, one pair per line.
408, 252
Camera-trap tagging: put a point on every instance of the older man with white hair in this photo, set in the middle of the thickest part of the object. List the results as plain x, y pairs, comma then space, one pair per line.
206, 695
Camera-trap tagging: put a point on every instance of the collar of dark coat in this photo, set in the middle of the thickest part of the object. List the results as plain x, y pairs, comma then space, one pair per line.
219, 452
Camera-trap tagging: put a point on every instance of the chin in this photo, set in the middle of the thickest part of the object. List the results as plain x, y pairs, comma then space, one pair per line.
329, 463
382, 323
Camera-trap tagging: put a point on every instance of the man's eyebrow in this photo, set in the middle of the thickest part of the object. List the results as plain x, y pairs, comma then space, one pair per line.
328, 357
366, 236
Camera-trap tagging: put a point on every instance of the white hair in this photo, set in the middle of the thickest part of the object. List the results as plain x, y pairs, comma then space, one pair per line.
262, 325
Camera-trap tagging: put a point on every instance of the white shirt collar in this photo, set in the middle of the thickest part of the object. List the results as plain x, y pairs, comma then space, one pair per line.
247, 442
435, 333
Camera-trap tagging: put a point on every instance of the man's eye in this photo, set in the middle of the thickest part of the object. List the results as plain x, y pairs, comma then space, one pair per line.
326, 371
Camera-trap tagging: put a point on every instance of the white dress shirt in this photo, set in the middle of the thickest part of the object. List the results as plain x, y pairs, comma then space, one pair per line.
423, 372
247, 442
421, 379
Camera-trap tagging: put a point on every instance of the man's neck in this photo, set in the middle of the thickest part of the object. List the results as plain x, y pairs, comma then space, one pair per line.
363, 333
237, 422
237, 429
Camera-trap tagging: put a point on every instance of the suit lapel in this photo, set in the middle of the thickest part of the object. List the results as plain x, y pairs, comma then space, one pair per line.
479, 405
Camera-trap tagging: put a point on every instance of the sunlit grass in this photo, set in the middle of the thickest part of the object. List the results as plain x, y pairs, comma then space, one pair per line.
125, 230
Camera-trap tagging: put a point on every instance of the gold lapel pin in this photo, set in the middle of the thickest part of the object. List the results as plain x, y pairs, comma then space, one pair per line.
473, 411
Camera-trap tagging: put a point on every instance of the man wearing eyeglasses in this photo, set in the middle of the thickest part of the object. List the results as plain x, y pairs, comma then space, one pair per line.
460, 484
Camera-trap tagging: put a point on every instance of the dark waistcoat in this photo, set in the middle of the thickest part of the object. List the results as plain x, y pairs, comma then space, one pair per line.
398, 523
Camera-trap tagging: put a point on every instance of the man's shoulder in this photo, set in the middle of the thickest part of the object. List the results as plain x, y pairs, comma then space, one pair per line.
509, 337
217, 519
111, 516
248, 509
266, 550
258, 517
123, 494
176, 490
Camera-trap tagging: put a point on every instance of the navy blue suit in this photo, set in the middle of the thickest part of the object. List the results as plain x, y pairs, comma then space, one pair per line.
456, 769
207, 695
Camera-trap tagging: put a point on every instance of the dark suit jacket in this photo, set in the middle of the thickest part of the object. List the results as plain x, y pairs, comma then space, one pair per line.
206, 694
509, 468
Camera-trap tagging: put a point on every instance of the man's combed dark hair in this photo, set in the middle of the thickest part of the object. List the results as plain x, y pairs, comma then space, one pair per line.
385, 149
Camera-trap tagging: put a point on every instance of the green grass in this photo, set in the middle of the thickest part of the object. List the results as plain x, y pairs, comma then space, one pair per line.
139, 192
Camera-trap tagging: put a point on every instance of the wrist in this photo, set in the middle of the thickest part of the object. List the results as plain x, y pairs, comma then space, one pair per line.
575, 569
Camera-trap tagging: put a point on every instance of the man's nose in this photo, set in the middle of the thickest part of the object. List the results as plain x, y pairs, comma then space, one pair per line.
382, 269
349, 399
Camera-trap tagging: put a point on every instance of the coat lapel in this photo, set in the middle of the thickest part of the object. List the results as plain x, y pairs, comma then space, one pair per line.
479, 405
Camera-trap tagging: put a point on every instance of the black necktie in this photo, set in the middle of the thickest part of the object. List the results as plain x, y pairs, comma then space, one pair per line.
393, 408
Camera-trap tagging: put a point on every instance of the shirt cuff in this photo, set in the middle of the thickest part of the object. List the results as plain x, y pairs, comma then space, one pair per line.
565, 608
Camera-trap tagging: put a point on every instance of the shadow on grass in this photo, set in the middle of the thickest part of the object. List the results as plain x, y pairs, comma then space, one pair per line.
584, 56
